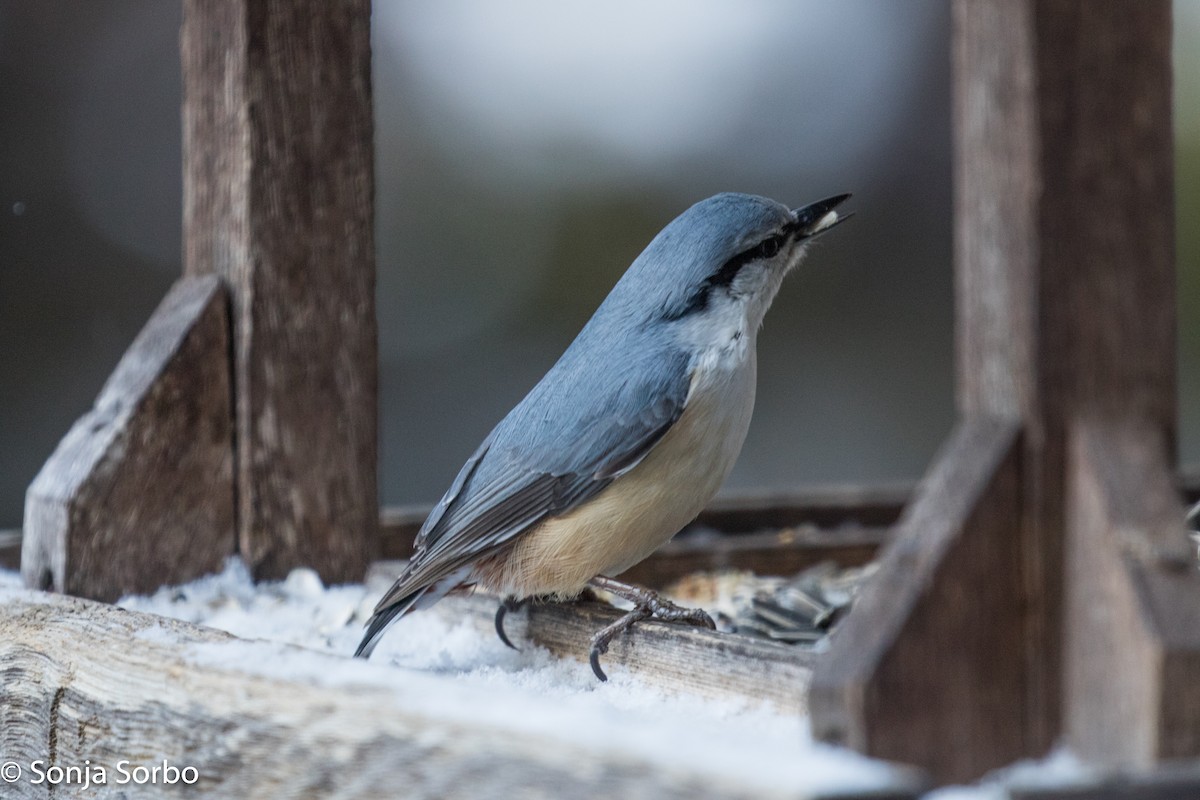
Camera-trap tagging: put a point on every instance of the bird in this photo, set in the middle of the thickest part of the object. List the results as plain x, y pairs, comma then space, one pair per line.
629, 434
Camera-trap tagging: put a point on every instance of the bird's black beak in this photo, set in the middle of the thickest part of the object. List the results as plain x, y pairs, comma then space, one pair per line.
818, 217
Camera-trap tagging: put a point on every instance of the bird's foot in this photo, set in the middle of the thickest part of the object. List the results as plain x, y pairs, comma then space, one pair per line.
506, 605
646, 604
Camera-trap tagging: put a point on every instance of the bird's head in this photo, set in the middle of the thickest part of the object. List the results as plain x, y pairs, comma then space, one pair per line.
723, 257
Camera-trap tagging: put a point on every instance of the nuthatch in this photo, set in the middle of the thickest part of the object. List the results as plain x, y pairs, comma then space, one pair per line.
629, 434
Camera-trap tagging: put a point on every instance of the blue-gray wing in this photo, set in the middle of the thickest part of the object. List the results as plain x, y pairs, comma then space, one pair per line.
576, 431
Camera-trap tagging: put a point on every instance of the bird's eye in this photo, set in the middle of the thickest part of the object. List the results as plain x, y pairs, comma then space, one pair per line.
770, 247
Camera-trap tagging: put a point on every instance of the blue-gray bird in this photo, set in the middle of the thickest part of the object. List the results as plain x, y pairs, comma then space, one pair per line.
628, 436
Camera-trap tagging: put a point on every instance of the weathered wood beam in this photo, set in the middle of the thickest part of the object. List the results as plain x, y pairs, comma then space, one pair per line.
84, 682
140, 491
1133, 640
1065, 308
278, 199
676, 658
929, 654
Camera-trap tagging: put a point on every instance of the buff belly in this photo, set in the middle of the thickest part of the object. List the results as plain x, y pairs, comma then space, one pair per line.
641, 510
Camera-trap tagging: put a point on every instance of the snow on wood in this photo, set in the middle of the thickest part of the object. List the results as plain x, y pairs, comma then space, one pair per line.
443, 708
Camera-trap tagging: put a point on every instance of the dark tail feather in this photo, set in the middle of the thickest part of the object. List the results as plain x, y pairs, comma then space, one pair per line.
384, 617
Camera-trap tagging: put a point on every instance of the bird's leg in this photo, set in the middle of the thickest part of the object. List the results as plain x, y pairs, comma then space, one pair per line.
646, 604
506, 605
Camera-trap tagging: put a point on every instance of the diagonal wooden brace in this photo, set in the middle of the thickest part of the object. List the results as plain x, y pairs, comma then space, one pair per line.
140, 491
933, 652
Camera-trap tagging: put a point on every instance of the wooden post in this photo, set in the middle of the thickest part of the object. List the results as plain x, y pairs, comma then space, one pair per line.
1065, 297
254, 385
278, 188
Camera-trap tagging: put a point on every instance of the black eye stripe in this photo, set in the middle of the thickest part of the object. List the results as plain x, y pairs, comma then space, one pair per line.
767, 248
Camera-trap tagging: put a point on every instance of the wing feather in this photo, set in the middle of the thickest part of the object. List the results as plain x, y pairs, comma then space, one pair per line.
564, 443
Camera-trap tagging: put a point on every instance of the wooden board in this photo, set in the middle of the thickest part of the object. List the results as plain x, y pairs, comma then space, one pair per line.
140, 491
1062, 107
1133, 643
278, 199
929, 654
673, 657
84, 681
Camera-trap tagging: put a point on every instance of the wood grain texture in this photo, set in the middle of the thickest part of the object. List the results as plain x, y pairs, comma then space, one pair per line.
86, 681
673, 657
1065, 251
1064, 308
925, 668
140, 491
278, 187
1133, 642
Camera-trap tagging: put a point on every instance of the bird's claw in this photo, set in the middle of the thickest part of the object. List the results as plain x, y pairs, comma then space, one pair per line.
647, 604
600, 641
506, 605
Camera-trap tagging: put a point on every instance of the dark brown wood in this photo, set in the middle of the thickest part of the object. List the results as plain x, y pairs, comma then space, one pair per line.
278, 199
10, 549
929, 653
784, 552
830, 507
140, 491
1062, 308
1065, 307
1133, 642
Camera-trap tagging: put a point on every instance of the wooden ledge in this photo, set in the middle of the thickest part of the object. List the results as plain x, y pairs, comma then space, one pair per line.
86, 681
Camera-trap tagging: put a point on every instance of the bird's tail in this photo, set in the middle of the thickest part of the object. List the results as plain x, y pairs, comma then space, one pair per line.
384, 617
388, 611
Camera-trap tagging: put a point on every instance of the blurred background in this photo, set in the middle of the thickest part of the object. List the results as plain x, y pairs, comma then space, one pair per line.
525, 153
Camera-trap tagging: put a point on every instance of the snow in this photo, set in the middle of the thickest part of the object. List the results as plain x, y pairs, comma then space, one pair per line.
452, 670
1059, 769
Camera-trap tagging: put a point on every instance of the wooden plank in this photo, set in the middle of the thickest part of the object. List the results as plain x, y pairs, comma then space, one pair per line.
278, 199
1133, 644
140, 491
674, 657
785, 552
930, 653
86, 682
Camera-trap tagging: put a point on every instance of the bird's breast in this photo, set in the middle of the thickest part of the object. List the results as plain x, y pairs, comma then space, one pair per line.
645, 507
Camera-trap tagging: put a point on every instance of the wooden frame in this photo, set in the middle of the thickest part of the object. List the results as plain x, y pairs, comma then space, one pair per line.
1050, 513
956, 657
